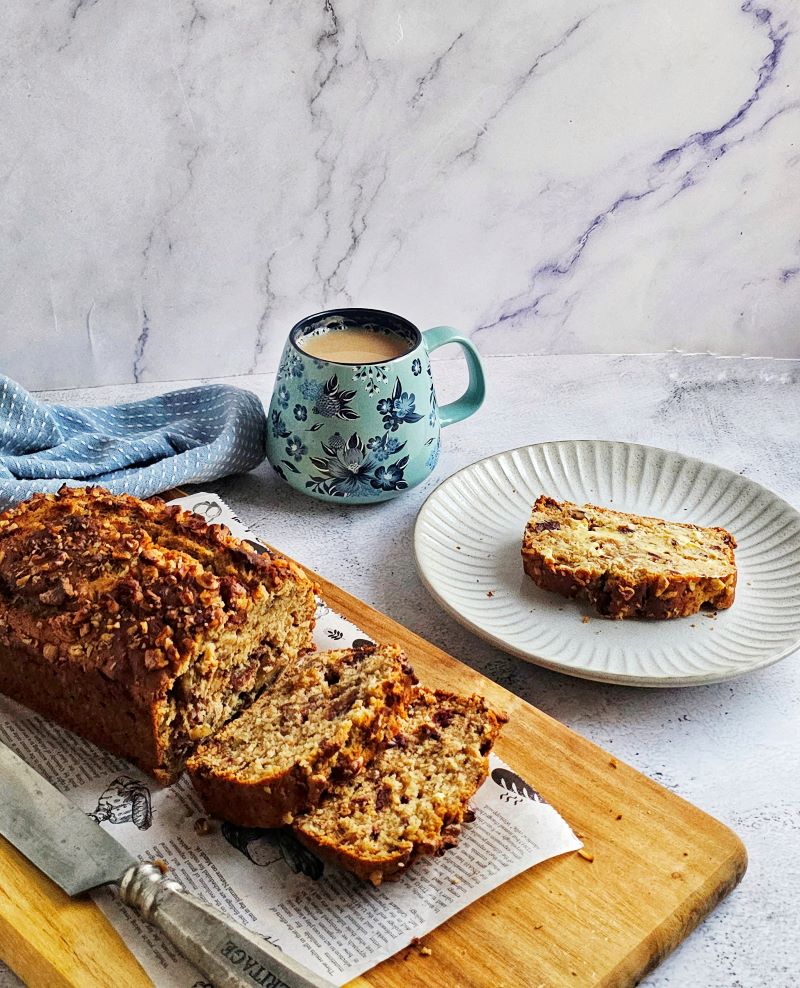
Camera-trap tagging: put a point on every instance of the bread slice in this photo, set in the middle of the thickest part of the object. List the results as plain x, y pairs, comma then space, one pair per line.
414, 796
326, 716
628, 565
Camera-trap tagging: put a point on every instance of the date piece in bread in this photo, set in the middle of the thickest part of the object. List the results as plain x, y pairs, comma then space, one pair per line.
627, 565
414, 796
325, 718
138, 625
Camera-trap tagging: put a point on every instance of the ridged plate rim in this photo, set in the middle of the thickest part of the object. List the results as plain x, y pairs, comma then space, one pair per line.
552, 661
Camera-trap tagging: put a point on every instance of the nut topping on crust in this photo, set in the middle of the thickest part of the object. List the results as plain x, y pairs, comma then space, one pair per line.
142, 579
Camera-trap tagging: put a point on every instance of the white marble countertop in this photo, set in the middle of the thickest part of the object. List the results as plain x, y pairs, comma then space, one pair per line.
732, 748
560, 177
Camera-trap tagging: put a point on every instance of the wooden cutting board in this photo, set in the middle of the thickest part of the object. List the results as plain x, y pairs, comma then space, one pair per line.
655, 866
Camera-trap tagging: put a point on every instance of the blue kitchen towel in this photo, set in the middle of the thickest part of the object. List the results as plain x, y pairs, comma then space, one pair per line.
140, 448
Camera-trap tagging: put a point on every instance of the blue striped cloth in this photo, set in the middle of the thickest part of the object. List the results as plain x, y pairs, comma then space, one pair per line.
140, 448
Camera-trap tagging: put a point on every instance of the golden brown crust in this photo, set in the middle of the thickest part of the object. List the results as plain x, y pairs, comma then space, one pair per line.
612, 571
122, 585
254, 804
330, 710
395, 788
113, 590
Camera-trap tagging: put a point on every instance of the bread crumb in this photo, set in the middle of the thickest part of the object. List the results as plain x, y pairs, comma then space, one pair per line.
455, 881
612, 762
161, 864
202, 826
425, 951
586, 855
585, 619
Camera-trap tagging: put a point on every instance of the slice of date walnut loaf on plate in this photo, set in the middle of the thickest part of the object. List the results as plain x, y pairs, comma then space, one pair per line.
139, 625
324, 718
414, 796
627, 565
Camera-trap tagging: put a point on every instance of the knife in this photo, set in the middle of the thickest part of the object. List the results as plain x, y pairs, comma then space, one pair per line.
79, 855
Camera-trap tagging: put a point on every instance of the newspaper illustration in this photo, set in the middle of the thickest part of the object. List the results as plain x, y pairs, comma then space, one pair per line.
329, 920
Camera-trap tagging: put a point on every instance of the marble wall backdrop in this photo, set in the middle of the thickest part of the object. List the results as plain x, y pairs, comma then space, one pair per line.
181, 179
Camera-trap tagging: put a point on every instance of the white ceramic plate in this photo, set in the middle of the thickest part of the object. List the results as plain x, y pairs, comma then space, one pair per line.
469, 533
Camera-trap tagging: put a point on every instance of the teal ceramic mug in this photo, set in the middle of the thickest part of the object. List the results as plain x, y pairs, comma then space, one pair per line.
363, 432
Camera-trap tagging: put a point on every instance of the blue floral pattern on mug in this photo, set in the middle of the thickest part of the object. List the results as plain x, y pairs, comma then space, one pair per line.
384, 446
290, 366
433, 456
391, 478
311, 390
399, 408
349, 467
279, 429
296, 448
334, 402
374, 375
434, 412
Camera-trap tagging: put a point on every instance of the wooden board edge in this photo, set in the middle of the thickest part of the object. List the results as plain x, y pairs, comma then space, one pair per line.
49, 956
672, 932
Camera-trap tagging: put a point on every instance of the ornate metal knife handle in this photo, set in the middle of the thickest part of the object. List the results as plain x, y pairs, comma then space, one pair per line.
226, 952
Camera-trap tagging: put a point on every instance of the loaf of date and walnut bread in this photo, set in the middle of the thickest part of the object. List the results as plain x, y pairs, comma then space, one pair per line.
138, 625
414, 796
323, 720
627, 565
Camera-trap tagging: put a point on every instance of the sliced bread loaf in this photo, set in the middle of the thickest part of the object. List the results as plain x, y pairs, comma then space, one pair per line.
414, 796
325, 717
138, 625
627, 565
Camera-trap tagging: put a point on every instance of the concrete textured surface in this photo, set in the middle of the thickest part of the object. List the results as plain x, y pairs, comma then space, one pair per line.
731, 748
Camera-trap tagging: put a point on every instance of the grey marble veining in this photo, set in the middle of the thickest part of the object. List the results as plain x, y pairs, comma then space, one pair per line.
181, 181
730, 748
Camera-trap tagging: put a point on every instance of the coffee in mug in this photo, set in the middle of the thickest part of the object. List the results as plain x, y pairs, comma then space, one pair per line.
354, 415
347, 343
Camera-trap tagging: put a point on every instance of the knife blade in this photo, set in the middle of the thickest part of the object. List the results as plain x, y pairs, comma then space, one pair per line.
77, 854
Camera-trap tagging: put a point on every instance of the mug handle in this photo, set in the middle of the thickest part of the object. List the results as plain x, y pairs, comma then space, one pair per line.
472, 399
